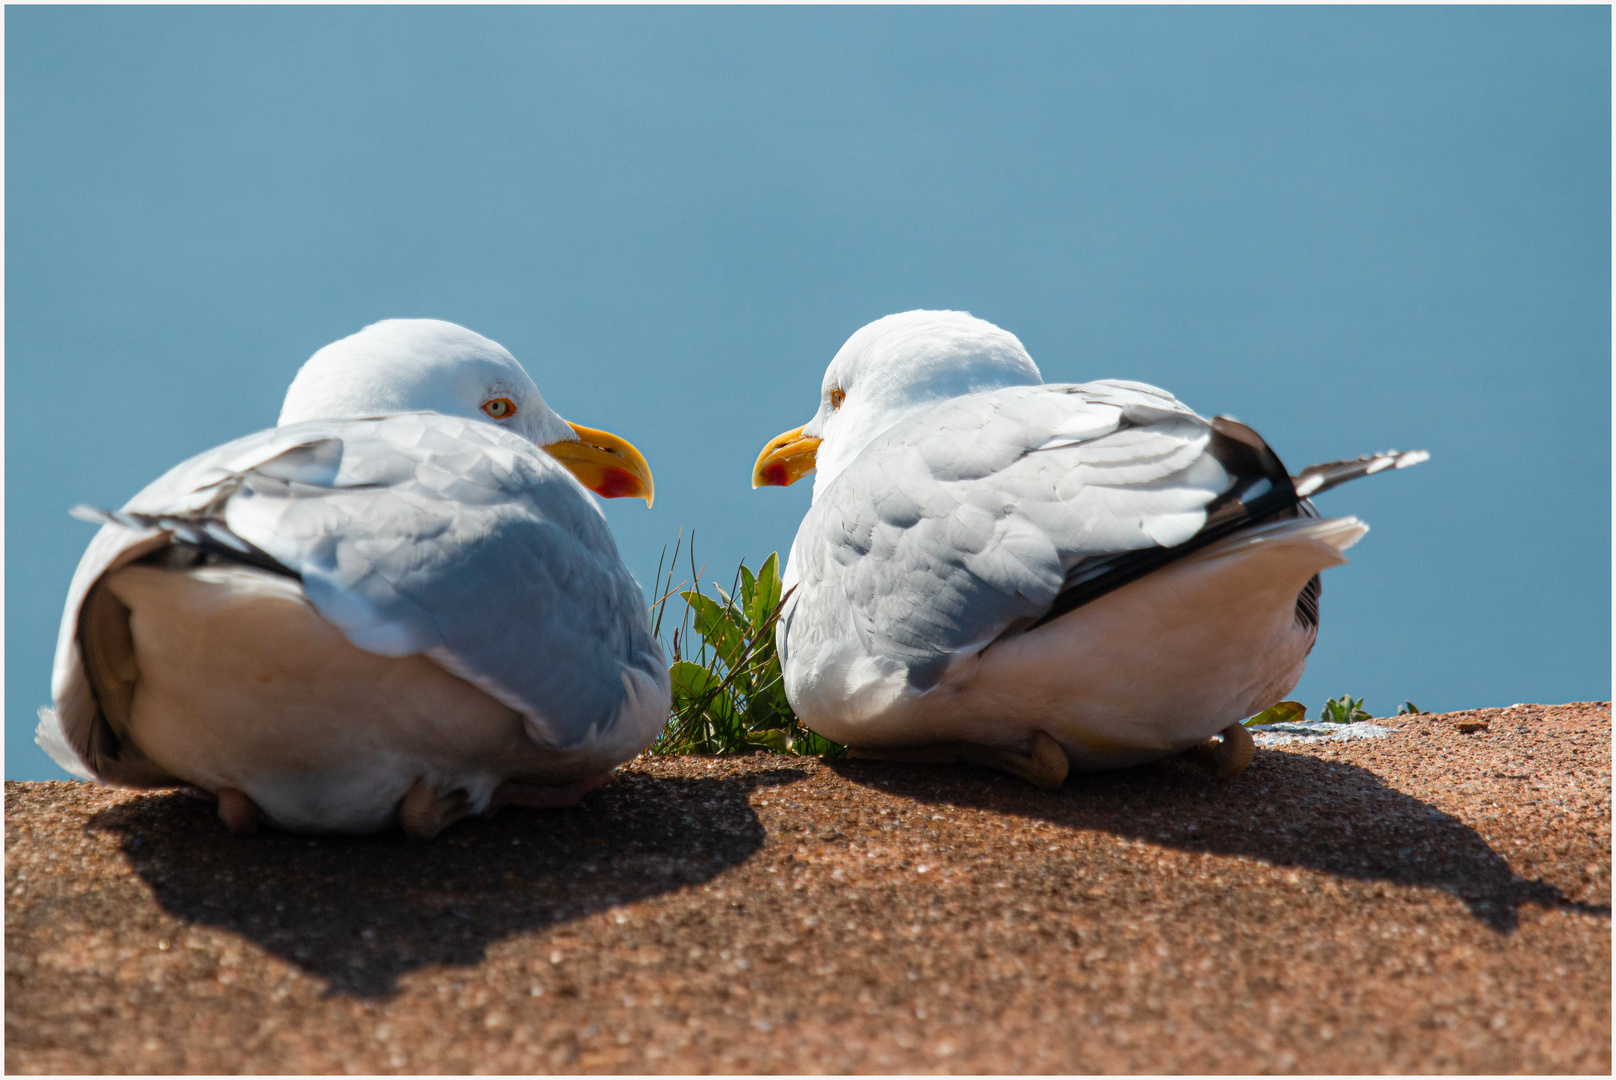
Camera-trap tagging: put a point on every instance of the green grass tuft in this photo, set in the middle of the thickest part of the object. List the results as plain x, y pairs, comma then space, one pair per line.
1344, 710
728, 693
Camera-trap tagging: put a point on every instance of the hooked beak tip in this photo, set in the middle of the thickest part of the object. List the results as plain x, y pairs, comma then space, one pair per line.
787, 458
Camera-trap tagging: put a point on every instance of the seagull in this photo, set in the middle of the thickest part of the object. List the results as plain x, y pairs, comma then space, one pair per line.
1040, 577
399, 605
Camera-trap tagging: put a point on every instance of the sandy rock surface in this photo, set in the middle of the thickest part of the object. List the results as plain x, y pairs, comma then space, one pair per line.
1434, 900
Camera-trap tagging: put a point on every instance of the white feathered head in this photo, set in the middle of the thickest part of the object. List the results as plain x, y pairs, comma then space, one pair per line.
885, 373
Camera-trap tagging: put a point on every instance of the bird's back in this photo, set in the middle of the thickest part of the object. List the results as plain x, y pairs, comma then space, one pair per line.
964, 521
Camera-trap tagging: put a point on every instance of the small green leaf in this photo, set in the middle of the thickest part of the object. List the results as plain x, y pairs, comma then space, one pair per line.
1286, 712
716, 623
1344, 710
689, 680
1408, 708
811, 742
768, 589
775, 740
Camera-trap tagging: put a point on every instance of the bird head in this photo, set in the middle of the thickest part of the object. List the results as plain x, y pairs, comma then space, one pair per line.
428, 365
886, 372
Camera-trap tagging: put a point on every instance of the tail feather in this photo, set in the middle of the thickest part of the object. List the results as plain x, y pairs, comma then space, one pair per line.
1317, 478
50, 737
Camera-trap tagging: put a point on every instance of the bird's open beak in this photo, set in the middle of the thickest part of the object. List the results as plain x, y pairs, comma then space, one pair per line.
788, 458
610, 467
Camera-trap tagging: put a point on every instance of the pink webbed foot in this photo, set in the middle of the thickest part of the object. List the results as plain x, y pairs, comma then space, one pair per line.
544, 796
238, 812
1224, 758
423, 813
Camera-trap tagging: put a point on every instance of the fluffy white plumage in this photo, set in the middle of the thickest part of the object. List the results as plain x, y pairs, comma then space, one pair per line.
392, 588
958, 499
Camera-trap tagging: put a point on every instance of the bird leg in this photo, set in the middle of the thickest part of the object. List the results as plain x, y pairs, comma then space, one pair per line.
1044, 765
238, 812
423, 813
1226, 757
544, 796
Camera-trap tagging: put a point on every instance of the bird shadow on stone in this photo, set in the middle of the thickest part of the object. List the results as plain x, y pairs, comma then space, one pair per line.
360, 912
1290, 810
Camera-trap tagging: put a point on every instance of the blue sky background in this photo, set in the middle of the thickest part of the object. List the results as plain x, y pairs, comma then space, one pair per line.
1353, 228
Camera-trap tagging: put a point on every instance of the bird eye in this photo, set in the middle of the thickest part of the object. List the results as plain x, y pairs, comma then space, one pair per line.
836, 398
500, 408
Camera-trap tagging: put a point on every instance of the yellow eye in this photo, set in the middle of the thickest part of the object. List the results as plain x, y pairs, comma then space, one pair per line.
501, 408
836, 398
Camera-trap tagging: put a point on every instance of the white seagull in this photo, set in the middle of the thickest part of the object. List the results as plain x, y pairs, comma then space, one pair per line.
399, 605
1038, 577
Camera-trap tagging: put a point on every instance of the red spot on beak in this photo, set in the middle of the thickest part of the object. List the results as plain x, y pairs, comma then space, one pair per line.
617, 484
775, 474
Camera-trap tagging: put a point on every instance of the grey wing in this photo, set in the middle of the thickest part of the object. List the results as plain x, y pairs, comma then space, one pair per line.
411, 533
458, 540
966, 521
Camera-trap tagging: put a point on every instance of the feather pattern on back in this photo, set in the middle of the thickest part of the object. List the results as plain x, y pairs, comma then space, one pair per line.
965, 520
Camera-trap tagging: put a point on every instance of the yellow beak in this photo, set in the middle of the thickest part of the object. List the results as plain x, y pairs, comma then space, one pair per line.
605, 464
788, 458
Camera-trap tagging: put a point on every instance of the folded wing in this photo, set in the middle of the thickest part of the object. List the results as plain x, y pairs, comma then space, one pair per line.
415, 533
980, 510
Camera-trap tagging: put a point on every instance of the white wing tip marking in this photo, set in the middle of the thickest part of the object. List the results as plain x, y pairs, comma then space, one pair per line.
1309, 486
1413, 457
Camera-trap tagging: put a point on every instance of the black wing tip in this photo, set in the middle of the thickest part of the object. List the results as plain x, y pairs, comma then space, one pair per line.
1323, 477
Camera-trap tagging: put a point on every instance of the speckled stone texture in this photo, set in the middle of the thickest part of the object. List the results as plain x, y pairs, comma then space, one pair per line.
1435, 900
